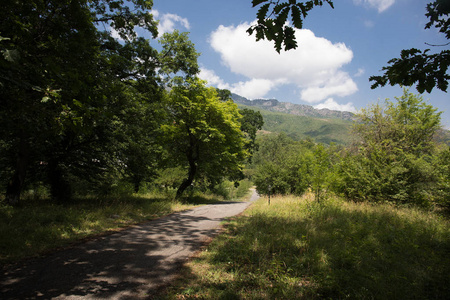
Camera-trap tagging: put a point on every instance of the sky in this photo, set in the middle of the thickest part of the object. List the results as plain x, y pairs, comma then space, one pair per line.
338, 50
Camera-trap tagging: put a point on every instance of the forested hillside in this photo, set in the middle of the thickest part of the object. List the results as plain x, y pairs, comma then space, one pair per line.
321, 130
304, 121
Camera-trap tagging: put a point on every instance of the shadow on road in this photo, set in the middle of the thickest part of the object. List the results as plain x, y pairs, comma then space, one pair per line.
124, 265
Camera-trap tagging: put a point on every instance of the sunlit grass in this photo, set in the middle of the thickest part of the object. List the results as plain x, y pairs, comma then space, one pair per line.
38, 226
299, 249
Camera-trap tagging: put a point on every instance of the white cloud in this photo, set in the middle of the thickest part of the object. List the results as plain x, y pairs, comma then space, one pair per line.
314, 67
380, 5
360, 72
333, 105
212, 78
340, 85
253, 88
169, 22
115, 34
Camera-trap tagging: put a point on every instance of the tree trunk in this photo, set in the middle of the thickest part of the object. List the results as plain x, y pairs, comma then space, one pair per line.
15, 185
14, 188
188, 181
137, 184
59, 185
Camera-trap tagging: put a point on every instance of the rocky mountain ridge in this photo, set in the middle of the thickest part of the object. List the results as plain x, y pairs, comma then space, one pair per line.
291, 108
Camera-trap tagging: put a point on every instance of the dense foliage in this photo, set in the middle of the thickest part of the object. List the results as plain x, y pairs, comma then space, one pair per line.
394, 158
203, 134
117, 114
83, 98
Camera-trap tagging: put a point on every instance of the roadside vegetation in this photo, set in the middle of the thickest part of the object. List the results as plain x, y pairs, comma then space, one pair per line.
39, 225
366, 221
298, 248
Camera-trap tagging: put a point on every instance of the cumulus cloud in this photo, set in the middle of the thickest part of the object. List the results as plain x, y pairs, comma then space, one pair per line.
212, 78
315, 67
253, 88
168, 22
340, 85
333, 105
380, 5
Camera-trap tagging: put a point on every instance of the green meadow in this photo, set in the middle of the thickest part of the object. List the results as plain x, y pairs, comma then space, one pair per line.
296, 248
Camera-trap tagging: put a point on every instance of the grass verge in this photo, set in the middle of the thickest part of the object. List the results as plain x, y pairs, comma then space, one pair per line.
39, 226
299, 249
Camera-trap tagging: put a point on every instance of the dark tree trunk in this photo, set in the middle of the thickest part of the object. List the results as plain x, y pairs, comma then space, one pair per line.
192, 155
14, 188
188, 181
15, 185
59, 184
137, 184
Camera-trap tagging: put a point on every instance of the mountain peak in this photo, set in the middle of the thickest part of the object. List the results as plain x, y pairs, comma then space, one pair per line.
291, 108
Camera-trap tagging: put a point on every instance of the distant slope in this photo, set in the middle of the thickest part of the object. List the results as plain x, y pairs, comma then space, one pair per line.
303, 121
323, 130
291, 108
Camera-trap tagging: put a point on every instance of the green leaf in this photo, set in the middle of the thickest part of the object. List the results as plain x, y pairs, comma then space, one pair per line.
262, 12
289, 39
77, 103
296, 17
282, 17
11, 55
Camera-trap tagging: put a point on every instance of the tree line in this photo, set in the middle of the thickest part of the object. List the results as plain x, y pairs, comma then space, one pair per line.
81, 109
394, 158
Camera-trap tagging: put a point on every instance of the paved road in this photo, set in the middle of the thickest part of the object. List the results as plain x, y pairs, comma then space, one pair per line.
126, 265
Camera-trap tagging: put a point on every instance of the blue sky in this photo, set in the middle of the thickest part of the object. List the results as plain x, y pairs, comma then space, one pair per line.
339, 49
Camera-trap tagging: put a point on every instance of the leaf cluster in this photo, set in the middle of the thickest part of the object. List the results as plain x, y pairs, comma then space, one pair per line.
419, 67
273, 24
79, 105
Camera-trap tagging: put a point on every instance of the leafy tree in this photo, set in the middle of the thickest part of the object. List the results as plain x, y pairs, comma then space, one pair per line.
251, 122
272, 20
43, 79
178, 55
318, 170
408, 124
63, 111
280, 162
421, 67
395, 155
69, 114
202, 133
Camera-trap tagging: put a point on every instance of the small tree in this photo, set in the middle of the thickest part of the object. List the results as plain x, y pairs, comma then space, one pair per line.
203, 133
395, 153
319, 171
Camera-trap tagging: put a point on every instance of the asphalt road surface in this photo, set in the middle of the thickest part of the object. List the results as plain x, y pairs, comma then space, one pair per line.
129, 264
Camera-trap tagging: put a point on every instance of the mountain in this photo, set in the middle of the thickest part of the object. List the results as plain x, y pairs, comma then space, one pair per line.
294, 109
301, 121
304, 121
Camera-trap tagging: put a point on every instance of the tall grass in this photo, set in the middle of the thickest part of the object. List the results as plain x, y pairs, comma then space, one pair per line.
299, 249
